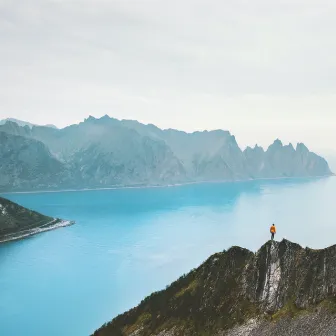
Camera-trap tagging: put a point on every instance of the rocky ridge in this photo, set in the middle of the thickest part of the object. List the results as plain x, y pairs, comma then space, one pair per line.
283, 289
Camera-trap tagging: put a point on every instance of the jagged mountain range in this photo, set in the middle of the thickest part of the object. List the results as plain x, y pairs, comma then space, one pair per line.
283, 289
107, 152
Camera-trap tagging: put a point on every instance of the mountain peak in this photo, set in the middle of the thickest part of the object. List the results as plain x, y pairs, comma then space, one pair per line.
104, 119
301, 147
90, 118
277, 142
254, 149
276, 145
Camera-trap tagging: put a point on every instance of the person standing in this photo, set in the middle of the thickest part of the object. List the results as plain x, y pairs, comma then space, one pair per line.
273, 231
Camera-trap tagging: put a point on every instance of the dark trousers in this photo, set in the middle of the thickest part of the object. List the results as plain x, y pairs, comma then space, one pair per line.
272, 233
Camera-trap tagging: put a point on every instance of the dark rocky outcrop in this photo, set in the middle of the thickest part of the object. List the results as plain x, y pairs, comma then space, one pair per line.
283, 289
18, 222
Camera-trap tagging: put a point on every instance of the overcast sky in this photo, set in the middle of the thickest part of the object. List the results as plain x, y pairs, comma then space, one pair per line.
261, 69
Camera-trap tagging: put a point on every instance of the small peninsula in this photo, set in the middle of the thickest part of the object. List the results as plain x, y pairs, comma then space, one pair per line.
17, 222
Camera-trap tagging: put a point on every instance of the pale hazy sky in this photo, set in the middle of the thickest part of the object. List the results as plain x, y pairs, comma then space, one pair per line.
261, 69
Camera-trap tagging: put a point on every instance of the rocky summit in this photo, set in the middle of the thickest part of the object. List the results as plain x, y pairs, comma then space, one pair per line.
283, 289
106, 152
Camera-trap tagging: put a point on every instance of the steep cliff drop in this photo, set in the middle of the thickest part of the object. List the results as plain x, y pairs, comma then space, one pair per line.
283, 289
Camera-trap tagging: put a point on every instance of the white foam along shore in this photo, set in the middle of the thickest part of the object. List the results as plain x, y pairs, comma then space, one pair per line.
54, 224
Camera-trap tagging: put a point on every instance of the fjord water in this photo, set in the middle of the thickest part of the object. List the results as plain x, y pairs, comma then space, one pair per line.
128, 243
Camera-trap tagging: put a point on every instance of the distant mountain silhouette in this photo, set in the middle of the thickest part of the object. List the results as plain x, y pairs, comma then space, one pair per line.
23, 123
107, 152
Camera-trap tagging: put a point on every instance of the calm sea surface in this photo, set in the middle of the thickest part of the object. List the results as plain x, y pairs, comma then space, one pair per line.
128, 243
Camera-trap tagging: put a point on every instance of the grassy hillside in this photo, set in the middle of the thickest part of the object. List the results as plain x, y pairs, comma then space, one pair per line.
15, 218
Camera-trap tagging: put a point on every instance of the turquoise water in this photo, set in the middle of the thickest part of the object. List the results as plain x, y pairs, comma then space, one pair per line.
127, 243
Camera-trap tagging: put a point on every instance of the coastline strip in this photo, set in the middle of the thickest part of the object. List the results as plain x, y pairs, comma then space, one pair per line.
149, 186
55, 224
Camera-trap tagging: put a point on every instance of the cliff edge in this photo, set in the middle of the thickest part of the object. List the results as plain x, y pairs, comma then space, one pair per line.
283, 289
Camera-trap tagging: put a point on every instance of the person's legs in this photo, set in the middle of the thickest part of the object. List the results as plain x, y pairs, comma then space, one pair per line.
272, 236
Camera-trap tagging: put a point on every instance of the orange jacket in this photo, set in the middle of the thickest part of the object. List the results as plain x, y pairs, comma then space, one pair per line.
273, 229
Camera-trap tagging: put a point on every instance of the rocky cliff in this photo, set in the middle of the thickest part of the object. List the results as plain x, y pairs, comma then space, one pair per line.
107, 152
27, 164
283, 289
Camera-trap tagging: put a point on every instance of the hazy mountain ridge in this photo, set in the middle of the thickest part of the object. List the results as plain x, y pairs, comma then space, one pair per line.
331, 158
23, 123
107, 152
28, 164
283, 289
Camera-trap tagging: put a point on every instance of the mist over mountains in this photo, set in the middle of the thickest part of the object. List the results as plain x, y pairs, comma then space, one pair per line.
107, 152
23, 123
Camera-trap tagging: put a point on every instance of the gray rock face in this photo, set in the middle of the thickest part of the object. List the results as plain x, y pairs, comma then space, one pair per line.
307, 275
107, 152
320, 323
28, 164
282, 289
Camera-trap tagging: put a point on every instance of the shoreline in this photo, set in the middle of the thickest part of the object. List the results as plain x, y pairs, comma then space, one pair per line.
165, 185
53, 225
